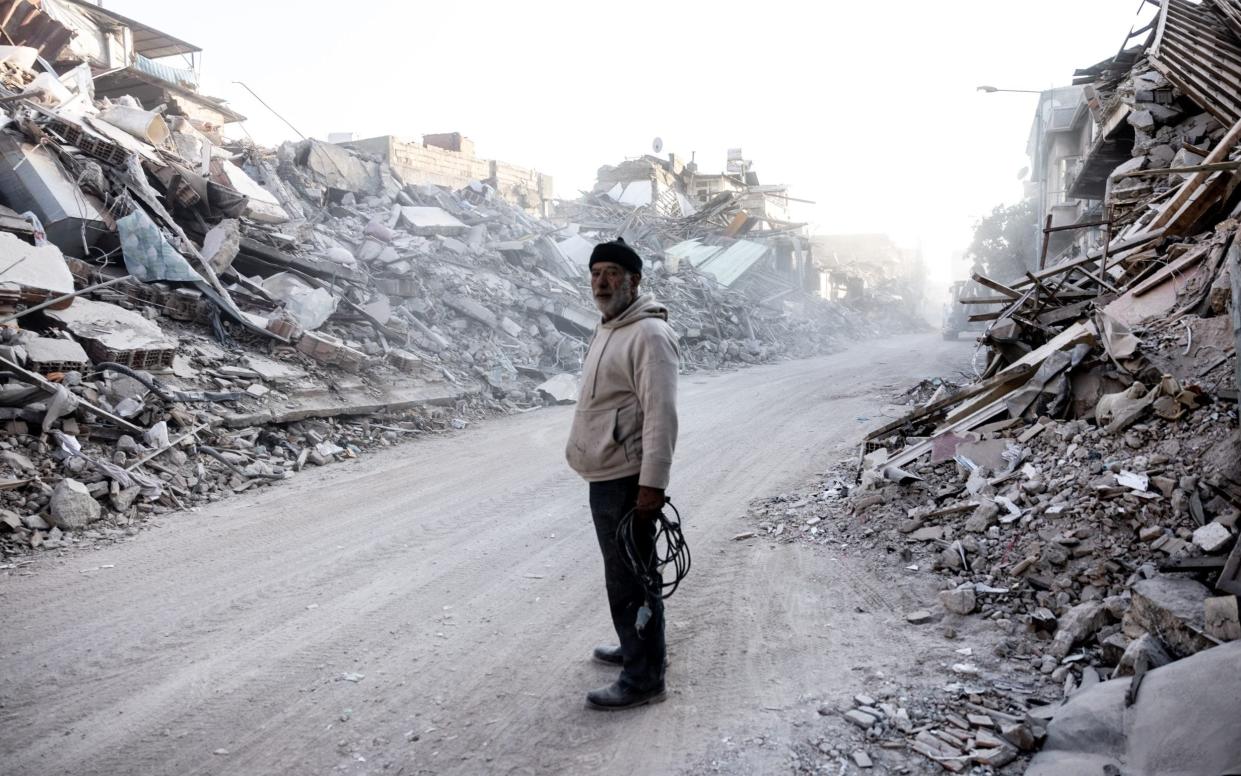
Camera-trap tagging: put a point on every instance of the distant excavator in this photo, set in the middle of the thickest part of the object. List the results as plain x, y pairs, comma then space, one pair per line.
956, 316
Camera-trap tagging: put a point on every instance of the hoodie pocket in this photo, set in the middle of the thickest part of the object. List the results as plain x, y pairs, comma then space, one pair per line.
628, 432
595, 441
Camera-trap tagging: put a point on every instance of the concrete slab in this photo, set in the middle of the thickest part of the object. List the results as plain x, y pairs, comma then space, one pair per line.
41, 271
1184, 723
354, 401
109, 331
431, 221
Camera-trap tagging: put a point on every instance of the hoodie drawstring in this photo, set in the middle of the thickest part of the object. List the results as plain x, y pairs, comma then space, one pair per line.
595, 382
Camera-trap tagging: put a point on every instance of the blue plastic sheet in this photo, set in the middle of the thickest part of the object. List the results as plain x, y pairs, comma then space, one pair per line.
148, 255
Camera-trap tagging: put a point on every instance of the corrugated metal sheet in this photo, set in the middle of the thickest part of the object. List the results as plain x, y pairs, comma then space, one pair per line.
692, 251
148, 41
173, 75
1200, 56
738, 259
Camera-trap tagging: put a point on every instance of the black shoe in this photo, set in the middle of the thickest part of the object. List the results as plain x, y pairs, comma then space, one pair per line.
614, 697
609, 655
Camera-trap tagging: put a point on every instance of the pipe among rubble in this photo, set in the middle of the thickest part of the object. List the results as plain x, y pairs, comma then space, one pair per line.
216, 454
167, 394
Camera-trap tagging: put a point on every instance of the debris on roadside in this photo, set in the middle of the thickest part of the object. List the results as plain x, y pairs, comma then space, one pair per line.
1082, 495
187, 316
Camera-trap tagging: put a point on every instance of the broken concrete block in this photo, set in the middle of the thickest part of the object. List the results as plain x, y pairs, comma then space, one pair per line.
1078, 624
1212, 538
124, 498
339, 169
431, 220
919, 616
510, 327
1222, 619
306, 305
562, 388
72, 505
327, 349
472, 309
1183, 721
1019, 735
1172, 608
403, 360
1149, 533
1121, 410
860, 718
35, 523
221, 244
930, 533
1043, 619
53, 354
113, 333
17, 461
1146, 649
995, 758
985, 515
862, 760
959, 601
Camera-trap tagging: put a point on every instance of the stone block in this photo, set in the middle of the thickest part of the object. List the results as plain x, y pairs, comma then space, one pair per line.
72, 505
1172, 608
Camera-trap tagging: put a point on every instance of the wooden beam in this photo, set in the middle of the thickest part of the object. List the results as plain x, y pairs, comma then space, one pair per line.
1078, 332
1180, 265
996, 286
1180, 170
935, 407
1234, 271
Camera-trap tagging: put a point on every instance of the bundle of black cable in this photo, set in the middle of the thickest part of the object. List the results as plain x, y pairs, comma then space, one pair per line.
647, 562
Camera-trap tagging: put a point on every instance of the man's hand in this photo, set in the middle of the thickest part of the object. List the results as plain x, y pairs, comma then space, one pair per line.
650, 502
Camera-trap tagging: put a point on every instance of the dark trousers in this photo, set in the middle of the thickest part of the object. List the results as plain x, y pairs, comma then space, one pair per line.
644, 654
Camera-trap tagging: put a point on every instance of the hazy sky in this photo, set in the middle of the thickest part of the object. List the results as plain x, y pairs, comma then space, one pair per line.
867, 108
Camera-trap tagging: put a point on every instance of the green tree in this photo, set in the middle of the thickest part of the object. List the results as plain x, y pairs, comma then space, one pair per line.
1005, 245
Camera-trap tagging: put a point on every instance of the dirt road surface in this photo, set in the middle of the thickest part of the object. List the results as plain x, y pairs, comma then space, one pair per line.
431, 608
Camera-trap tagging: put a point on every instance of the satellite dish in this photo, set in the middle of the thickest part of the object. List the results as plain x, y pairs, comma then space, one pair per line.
657, 145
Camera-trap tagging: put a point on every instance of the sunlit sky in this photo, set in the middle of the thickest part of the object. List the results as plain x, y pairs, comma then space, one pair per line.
869, 109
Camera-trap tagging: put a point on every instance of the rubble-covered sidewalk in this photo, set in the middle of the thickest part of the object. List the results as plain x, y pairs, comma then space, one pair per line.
186, 317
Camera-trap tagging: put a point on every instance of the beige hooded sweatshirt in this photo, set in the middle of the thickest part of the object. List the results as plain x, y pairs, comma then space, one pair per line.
626, 418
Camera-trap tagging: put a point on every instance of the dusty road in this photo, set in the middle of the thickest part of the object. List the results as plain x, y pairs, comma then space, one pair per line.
430, 609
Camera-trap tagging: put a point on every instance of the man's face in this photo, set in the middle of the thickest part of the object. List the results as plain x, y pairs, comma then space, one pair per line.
613, 287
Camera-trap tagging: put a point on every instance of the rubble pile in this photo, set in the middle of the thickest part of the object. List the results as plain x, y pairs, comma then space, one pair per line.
1070, 543
186, 316
1083, 495
965, 726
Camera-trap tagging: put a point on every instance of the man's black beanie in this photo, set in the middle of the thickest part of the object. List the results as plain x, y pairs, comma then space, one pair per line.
617, 252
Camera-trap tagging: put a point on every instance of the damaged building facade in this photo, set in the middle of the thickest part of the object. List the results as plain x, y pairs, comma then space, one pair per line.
449, 160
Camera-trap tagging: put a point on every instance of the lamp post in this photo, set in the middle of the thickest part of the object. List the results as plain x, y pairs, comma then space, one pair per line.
993, 89
1038, 162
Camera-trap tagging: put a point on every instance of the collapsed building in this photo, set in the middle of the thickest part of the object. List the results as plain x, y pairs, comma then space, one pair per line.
186, 316
1083, 494
870, 269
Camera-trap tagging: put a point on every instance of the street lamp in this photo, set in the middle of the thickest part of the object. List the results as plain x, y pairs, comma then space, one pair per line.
993, 89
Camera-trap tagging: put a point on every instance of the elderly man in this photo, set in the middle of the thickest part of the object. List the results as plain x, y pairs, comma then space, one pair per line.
623, 435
